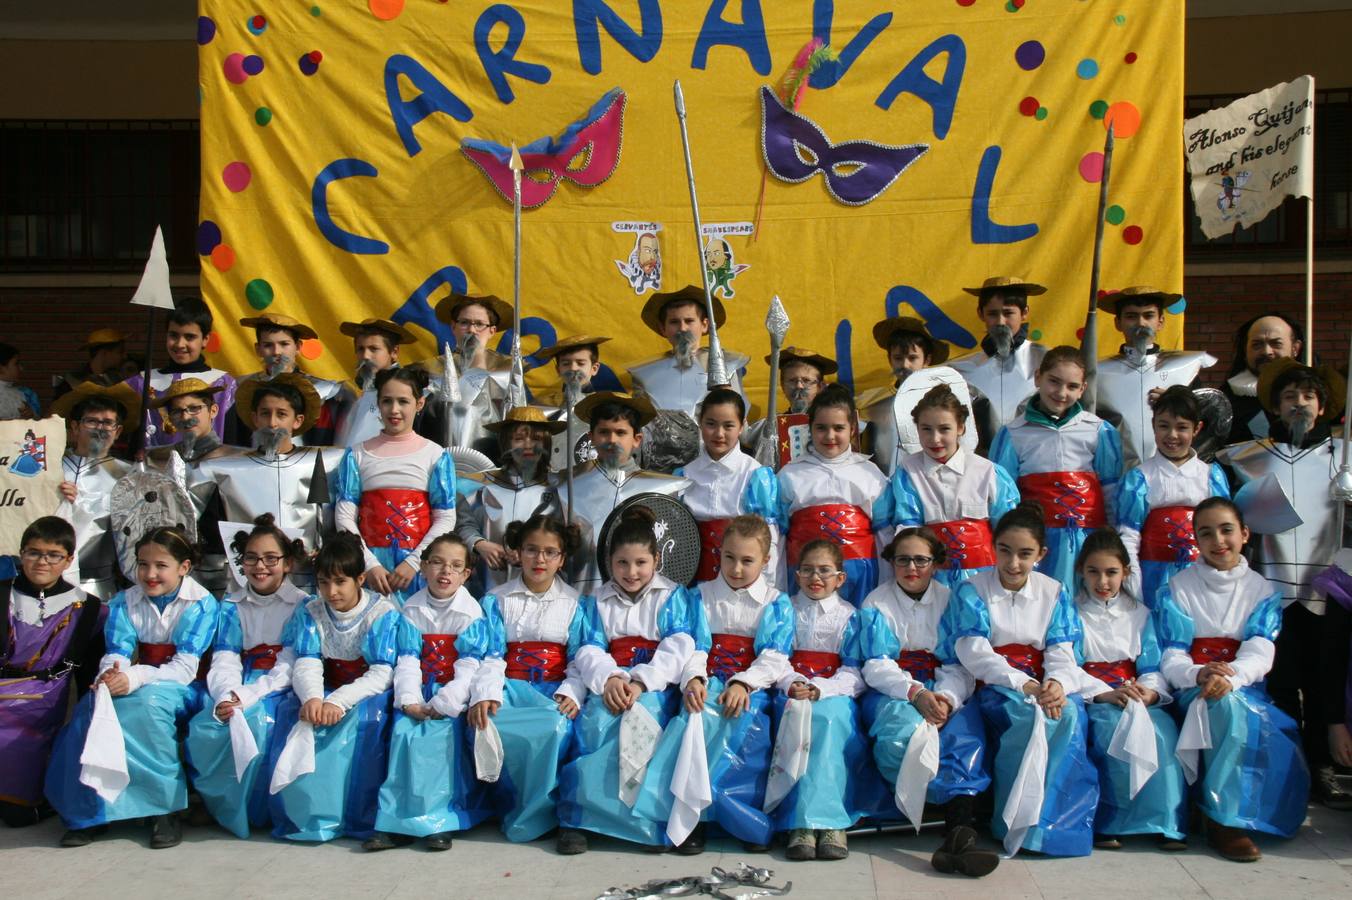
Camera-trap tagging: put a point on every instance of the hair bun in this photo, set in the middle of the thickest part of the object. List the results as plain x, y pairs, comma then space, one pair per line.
639, 515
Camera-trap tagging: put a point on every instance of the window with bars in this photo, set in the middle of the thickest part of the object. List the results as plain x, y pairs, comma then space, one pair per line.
86, 195
1282, 233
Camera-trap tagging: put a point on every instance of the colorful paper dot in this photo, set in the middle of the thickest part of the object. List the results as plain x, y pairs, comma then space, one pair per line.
1011, 6
1029, 106
1124, 118
315, 11
1029, 55
213, 344
309, 62
966, 2
385, 10
1079, 334
208, 236
1036, 335
257, 24
1177, 307
259, 293
1129, 58
236, 176
1091, 167
1115, 215
252, 64
1087, 68
1133, 234
223, 257
1041, 113
1119, 19
1098, 109
311, 349
262, 115
234, 69
206, 29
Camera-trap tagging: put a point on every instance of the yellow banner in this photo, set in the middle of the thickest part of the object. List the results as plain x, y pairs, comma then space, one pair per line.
350, 165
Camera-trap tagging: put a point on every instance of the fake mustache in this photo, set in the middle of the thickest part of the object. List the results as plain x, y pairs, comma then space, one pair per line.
1140, 338
469, 347
267, 440
99, 442
366, 374
1300, 420
684, 348
798, 399
278, 364
1003, 337
573, 382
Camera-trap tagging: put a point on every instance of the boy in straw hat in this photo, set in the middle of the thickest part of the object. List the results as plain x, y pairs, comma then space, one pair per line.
189, 408
577, 359
107, 347
1130, 382
802, 374
616, 421
910, 347
517, 490
484, 373
376, 344
95, 417
677, 380
1004, 367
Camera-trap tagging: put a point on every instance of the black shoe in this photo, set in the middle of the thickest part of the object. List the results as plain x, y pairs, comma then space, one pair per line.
1328, 790
165, 831
439, 841
694, 843
570, 842
82, 837
384, 841
958, 855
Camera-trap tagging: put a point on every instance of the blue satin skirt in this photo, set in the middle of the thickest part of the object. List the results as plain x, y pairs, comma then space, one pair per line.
237, 805
1161, 805
536, 739
825, 797
962, 749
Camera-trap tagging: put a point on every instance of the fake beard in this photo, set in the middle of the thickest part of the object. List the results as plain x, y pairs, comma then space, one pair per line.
1140, 338
608, 456
1003, 336
684, 349
99, 442
527, 460
188, 443
278, 364
798, 400
1300, 421
366, 375
267, 440
467, 350
574, 380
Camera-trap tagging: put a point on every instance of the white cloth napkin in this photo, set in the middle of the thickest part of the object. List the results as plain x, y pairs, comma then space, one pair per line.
1133, 742
242, 743
297, 757
792, 748
918, 767
1023, 807
690, 786
639, 732
1194, 737
488, 753
103, 762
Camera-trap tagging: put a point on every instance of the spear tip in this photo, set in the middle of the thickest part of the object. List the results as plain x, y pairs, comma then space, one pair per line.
516, 164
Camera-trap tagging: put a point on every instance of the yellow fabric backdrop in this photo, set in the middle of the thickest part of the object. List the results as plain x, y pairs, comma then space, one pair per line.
275, 114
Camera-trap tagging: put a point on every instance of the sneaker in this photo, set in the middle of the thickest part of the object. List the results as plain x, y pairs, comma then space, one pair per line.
439, 841
570, 842
831, 844
1328, 790
1232, 843
802, 844
165, 831
694, 842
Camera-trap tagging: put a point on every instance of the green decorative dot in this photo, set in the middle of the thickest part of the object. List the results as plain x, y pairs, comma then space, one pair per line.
262, 115
314, 10
259, 293
1115, 215
1041, 113
1098, 109
1119, 19
1010, 7
1035, 335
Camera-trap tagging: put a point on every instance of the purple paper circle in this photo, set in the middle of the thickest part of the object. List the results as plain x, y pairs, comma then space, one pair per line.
208, 236
206, 29
1030, 55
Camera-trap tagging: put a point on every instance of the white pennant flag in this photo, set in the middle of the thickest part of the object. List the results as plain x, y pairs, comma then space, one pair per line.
154, 287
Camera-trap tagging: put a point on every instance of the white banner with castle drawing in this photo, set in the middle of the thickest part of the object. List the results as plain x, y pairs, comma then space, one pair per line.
30, 474
1246, 158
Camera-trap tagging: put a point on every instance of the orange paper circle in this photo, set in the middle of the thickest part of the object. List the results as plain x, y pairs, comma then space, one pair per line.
222, 257
1124, 117
213, 344
311, 349
386, 9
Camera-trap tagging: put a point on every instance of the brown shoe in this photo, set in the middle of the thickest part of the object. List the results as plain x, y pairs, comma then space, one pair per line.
1232, 843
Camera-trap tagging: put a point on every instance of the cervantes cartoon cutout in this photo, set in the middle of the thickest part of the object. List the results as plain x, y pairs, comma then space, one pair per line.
643, 270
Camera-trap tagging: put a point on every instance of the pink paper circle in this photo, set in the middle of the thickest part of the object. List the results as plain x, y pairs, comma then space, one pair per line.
234, 69
1091, 167
236, 176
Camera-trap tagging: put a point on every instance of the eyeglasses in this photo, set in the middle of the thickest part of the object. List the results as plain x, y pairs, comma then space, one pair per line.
271, 560
473, 326
436, 565
819, 571
549, 554
184, 412
802, 382
108, 424
50, 558
906, 562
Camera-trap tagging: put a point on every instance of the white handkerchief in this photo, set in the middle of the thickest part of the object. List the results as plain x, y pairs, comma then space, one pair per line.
792, 747
1023, 807
488, 753
103, 762
242, 743
1194, 737
690, 785
918, 768
297, 757
639, 732
1133, 743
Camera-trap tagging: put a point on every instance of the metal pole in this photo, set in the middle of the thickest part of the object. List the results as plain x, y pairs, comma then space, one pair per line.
1089, 343
516, 383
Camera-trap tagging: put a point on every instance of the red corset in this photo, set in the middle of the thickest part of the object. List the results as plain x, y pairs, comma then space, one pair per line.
1215, 649
970, 543
922, 664
394, 518
1023, 657
632, 651
1168, 537
730, 654
536, 661
1114, 674
1069, 499
148, 654
710, 545
338, 672
261, 657
438, 657
846, 526
814, 663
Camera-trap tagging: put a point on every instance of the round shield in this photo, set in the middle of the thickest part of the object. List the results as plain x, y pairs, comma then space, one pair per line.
677, 536
916, 386
1218, 417
141, 501
670, 441
469, 461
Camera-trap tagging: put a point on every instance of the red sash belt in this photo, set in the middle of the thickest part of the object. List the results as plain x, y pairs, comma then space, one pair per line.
730, 654
338, 672
536, 661
1114, 674
261, 657
970, 543
922, 664
394, 518
1168, 536
814, 663
846, 526
632, 651
148, 654
1213, 649
710, 545
438, 657
1068, 499
1025, 658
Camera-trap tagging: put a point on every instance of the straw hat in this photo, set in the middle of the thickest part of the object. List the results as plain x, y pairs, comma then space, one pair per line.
120, 393
571, 343
1007, 282
448, 310
183, 387
638, 403
244, 395
277, 320
789, 355
400, 334
526, 415
883, 331
102, 337
652, 310
1267, 380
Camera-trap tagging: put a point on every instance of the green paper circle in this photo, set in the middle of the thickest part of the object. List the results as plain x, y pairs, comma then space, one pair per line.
262, 115
1035, 335
1041, 113
259, 293
1119, 19
1115, 215
1098, 109
314, 10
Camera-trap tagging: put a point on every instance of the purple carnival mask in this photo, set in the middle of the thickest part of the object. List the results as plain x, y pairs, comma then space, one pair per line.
856, 172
